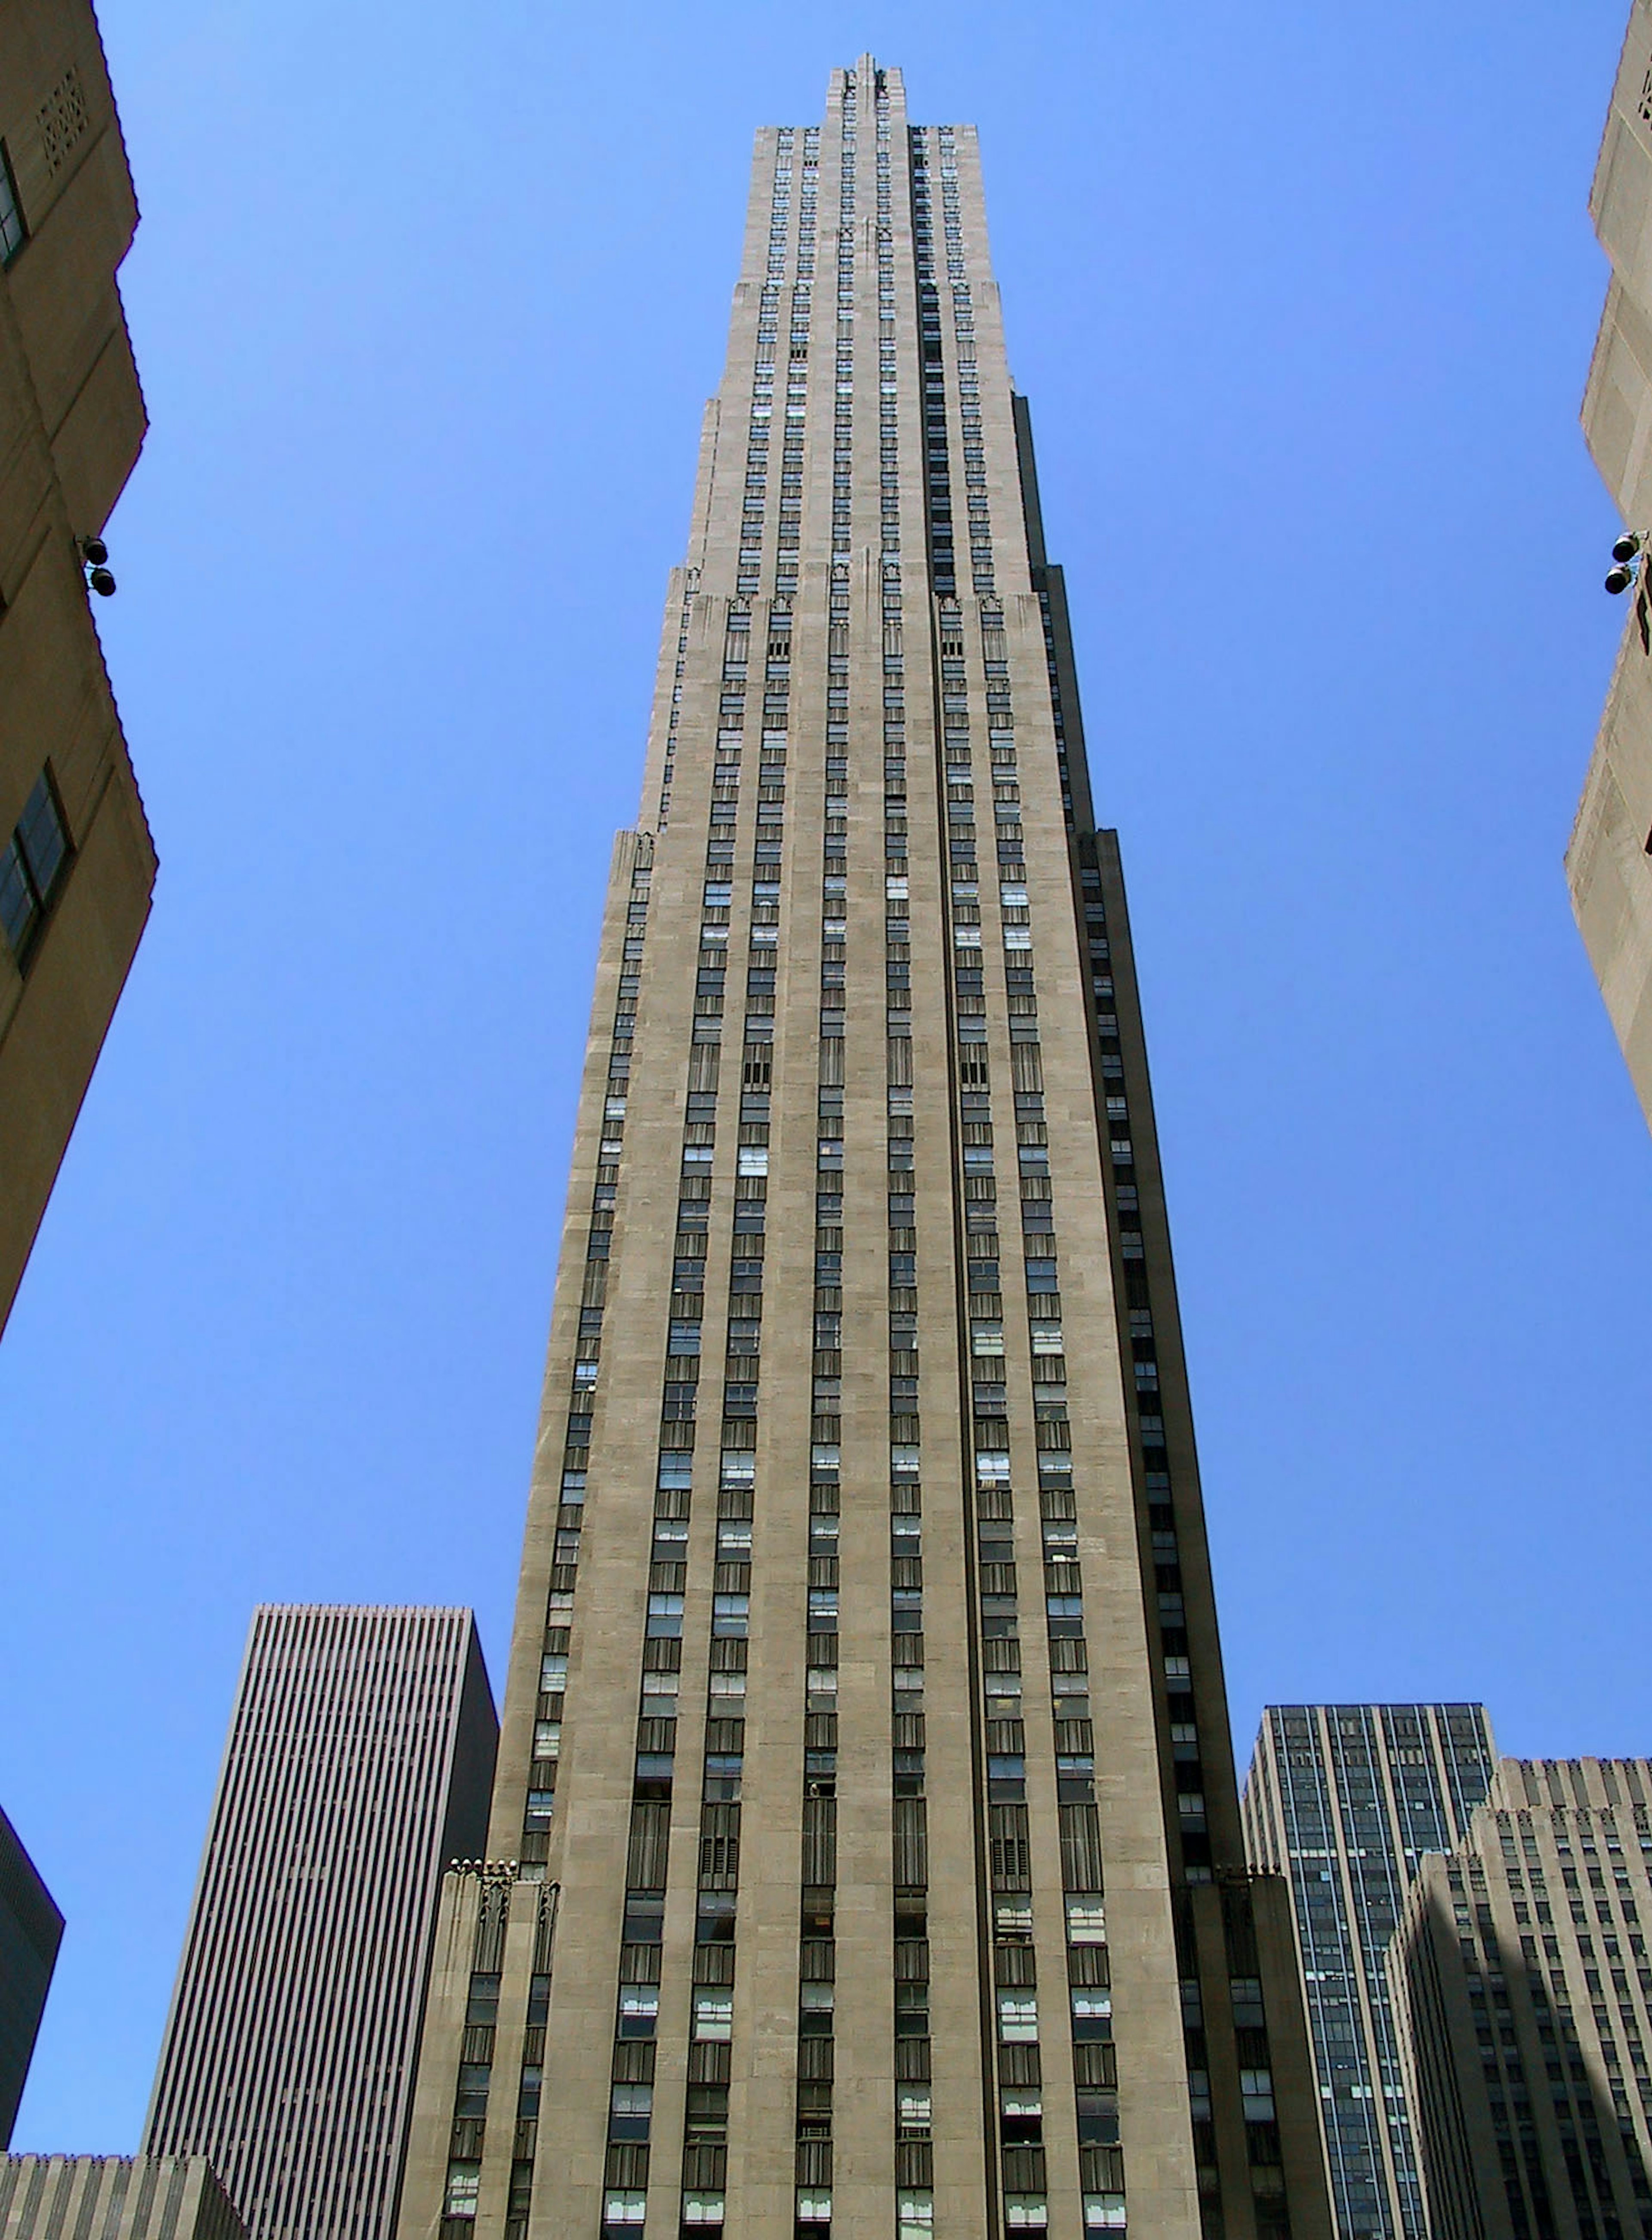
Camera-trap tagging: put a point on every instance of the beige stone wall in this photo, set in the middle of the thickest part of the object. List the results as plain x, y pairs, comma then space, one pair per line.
1524, 2001
845, 649
71, 422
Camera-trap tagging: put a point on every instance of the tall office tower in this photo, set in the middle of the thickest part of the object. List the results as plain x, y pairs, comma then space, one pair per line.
878, 1867
1343, 1799
108, 2198
31, 1929
1523, 1994
360, 1755
75, 863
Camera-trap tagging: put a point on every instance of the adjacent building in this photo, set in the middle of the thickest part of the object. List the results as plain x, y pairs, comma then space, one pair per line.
77, 866
31, 1929
1344, 1800
360, 1754
866, 1853
1522, 1990
107, 2197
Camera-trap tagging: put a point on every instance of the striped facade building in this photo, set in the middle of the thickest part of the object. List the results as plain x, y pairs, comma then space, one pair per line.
110, 2197
360, 1752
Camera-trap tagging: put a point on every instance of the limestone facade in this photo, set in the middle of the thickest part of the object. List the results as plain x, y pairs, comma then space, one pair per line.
77, 866
866, 1854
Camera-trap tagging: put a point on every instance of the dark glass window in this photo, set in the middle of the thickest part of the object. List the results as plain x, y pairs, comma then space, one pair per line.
13, 231
32, 866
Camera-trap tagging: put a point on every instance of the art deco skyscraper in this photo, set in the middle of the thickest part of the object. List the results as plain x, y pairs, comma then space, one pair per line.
1344, 1799
867, 1853
360, 1753
1523, 1991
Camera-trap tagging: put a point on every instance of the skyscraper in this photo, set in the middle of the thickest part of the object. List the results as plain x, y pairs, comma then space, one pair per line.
1523, 1996
31, 1929
360, 1752
866, 1846
77, 866
1344, 1799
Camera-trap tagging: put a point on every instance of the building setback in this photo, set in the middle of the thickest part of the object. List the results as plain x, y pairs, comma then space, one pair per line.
77, 866
31, 1929
1609, 863
1521, 1987
106, 2197
866, 1849
360, 1753
1343, 1799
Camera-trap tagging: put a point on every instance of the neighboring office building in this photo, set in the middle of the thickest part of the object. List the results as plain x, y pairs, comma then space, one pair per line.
866, 1709
107, 2197
77, 866
31, 1929
1521, 1988
360, 1754
1344, 1799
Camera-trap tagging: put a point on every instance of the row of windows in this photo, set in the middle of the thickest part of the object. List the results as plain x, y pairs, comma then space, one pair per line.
818, 1773
704, 2144
474, 2086
1088, 2000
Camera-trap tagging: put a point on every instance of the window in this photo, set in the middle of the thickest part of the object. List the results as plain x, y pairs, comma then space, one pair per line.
464, 2182
472, 2099
730, 1616
713, 2013
664, 1618
1017, 2017
32, 866
1092, 2013
912, 2112
629, 2110
1256, 2088
639, 2009
915, 2216
1103, 2212
1086, 1921
13, 231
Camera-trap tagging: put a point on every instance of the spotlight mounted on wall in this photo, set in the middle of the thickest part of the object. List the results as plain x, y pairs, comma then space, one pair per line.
94, 557
1626, 563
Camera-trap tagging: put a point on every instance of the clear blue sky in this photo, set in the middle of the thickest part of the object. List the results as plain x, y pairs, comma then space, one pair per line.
427, 303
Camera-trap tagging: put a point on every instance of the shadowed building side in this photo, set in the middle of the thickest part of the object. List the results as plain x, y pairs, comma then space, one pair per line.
77, 866
31, 1929
1523, 1999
